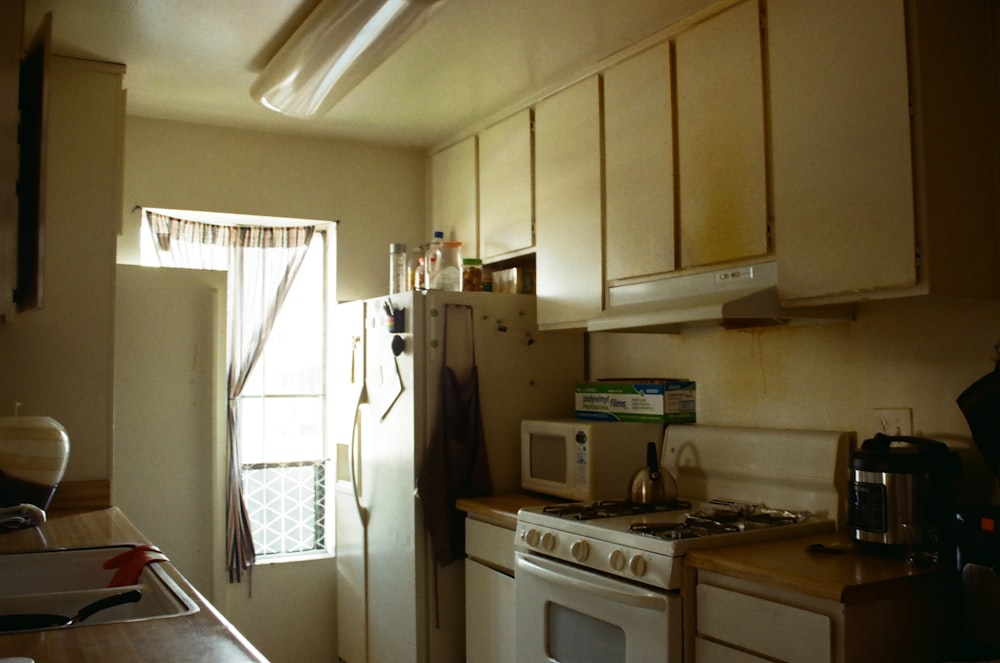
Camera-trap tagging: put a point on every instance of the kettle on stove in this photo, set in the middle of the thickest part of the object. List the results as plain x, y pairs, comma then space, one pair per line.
902, 491
652, 485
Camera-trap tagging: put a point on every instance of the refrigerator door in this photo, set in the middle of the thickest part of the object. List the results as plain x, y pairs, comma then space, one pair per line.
523, 373
394, 604
388, 466
347, 373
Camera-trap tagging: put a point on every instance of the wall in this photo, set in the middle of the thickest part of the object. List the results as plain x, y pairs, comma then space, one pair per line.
58, 361
919, 353
170, 410
377, 193
287, 610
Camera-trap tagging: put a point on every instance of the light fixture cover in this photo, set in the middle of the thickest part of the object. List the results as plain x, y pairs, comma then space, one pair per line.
336, 47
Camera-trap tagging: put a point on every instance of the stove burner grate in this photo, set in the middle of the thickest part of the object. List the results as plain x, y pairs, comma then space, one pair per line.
721, 517
611, 509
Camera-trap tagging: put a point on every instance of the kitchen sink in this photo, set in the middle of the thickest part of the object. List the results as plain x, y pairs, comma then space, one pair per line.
61, 581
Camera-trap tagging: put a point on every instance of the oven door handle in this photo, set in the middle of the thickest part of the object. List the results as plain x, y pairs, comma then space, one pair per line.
570, 578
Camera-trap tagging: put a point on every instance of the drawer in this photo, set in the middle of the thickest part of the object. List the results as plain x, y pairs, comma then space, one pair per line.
708, 651
757, 625
491, 544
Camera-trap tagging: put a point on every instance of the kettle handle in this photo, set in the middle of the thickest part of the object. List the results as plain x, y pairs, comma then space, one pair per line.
652, 462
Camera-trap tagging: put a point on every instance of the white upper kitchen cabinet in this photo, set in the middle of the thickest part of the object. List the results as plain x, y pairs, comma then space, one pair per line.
568, 206
721, 140
506, 218
884, 148
454, 201
639, 165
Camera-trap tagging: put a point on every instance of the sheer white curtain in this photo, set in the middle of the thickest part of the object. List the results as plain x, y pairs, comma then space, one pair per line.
262, 262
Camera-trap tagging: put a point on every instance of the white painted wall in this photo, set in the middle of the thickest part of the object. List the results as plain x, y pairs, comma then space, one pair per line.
376, 192
918, 353
58, 361
170, 362
287, 610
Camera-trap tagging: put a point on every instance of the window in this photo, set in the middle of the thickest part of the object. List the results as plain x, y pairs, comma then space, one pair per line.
283, 454
282, 422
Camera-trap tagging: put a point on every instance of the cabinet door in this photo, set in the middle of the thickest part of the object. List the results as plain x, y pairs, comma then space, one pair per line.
11, 25
778, 631
568, 209
639, 165
489, 615
843, 189
453, 193
505, 200
721, 139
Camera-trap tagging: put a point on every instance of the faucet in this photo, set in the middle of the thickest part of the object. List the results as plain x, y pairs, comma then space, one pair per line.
21, 516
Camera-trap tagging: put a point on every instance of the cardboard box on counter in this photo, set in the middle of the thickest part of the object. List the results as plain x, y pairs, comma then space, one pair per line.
669, 401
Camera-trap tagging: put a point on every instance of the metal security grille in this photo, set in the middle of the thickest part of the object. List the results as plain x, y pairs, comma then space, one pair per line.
287, 506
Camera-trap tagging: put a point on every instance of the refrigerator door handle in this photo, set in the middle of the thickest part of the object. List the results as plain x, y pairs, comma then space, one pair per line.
355, 451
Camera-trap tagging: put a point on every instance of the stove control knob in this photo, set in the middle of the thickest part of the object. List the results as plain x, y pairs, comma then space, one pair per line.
580, 550
637, 565
548, 541
617, 560
531, 537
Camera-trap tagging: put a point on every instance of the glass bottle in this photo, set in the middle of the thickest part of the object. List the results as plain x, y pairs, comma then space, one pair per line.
431, 259
397, 268
472, 275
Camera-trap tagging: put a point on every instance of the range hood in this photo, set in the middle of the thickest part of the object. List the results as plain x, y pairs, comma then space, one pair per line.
733, 298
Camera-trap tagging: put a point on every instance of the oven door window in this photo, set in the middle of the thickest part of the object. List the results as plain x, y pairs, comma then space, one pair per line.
569, 615
575, 636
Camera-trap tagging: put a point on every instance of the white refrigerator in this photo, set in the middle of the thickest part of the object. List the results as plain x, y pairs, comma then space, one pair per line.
394, 603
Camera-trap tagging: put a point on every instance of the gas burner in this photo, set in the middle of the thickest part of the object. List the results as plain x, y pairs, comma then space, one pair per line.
611, 509
663, 530
719, 517
726, 511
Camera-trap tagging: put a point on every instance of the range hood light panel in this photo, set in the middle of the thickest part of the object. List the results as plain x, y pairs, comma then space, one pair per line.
736, 298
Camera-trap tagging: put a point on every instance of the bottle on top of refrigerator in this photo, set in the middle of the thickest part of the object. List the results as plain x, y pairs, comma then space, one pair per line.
472, 275
447, 272
415, 267
397, 268
431, 255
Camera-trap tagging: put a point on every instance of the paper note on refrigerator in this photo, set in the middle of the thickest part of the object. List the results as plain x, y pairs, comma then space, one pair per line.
384, 384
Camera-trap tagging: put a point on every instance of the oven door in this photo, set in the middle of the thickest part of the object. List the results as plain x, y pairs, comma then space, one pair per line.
569, 615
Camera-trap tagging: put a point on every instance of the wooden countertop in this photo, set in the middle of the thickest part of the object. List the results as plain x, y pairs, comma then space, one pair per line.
853, 576
203, 636
502, 509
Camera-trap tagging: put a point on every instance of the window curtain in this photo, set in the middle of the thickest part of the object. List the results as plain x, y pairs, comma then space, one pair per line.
262, 263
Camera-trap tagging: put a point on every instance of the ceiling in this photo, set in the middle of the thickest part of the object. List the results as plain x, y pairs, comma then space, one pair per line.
193, 60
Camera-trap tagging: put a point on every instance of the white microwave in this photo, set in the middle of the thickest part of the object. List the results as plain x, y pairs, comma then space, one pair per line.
584, 461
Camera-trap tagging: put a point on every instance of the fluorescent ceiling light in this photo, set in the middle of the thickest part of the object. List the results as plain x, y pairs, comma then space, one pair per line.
338, 45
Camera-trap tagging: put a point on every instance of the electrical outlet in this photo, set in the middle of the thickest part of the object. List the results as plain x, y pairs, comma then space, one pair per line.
894, 420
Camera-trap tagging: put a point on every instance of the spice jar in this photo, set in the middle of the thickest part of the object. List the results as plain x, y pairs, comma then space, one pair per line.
472, 275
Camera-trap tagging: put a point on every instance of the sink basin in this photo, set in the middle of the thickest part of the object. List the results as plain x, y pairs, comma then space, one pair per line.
62, 581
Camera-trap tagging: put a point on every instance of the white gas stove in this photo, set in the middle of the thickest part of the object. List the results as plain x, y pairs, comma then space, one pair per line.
646, 546
577, 563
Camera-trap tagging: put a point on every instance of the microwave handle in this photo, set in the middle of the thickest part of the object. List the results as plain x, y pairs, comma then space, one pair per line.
569, 578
